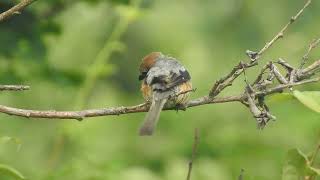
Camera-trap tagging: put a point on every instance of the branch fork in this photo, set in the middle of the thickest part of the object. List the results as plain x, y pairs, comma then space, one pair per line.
269, 81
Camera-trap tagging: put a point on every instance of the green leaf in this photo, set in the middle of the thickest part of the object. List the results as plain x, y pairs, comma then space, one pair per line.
280, 97
310, 99
295, 165
5, 169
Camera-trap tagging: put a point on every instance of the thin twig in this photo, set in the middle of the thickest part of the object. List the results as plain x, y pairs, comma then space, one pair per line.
227, 80
13, 87
281, 87
194, 151
15, 9
305, 57
263, 70
277, 74
283, 30
313, 67
309, 71
285, 64
254, 57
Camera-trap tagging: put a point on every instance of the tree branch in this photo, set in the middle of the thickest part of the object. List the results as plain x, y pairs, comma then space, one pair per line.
254, 57
13, 87
305, 57
80, 115
252, 97
283, 30
310, 70
15, 9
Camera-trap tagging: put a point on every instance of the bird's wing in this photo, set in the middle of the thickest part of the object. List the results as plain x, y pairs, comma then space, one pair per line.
166, 75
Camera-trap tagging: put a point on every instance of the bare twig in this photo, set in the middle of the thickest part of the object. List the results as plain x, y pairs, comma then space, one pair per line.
285, 64
254, 56
13, 87
277, 74
227, 80
281, 87
194, 151
283, 30
305, 57
263, 70
15, 9
309, 71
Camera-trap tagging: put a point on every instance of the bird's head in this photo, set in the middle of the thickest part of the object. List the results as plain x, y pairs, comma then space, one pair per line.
147, 63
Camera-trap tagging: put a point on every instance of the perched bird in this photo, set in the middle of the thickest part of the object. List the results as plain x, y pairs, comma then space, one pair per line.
164, 82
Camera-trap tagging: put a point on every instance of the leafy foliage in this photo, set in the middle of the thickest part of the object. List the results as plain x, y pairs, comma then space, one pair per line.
310, 99
298, 166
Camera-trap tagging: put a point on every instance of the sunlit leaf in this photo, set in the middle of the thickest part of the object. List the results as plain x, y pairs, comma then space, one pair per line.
280, 97
5, 169
310, 99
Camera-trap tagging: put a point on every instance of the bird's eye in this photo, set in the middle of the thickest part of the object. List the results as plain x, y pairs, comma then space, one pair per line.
142, 75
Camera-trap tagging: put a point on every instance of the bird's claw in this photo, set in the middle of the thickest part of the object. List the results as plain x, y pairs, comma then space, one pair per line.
180, 107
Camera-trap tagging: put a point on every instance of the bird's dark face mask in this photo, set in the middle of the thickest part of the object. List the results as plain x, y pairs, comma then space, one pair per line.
143, 75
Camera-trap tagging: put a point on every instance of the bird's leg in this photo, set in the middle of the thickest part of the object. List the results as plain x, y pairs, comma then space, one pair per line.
180, 106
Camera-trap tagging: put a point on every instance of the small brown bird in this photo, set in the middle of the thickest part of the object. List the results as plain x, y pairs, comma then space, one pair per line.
164, 82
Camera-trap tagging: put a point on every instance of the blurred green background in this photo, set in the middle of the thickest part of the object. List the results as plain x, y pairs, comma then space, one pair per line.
85, 54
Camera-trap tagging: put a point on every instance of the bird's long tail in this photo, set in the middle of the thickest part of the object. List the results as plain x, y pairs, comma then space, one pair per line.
152, 117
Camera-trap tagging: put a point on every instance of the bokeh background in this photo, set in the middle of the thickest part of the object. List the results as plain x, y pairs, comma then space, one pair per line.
78, 54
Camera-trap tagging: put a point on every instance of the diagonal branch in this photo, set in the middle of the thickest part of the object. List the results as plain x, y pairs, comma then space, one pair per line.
283, 30
309, 71
254, 56
15, 9
305, 57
